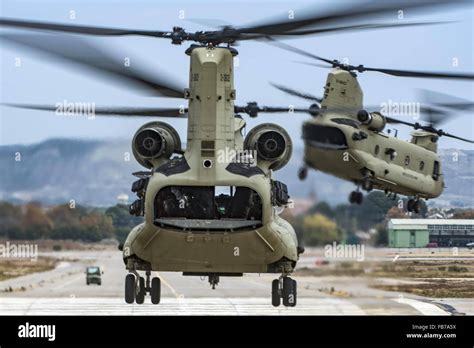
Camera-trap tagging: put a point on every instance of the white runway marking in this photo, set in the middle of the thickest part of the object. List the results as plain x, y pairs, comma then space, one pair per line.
173, 306
424, 308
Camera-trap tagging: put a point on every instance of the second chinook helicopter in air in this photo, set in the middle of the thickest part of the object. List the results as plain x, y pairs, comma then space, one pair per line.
345, 140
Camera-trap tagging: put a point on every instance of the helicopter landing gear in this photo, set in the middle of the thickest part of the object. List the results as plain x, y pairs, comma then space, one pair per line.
284, 289
302, 173
367, 184
213, 280
141, 291
414, 205
130, 288
137, 287
356, 197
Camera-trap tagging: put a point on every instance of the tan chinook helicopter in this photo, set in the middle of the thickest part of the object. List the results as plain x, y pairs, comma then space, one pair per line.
345, 140
205, 214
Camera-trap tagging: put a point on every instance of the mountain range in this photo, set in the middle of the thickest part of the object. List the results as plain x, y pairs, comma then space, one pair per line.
98, 172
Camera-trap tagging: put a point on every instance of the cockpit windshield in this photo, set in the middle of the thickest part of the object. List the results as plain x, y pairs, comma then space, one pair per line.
324, 136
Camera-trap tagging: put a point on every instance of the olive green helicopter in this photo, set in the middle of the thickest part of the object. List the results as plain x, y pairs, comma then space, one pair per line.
345, 140
206, 213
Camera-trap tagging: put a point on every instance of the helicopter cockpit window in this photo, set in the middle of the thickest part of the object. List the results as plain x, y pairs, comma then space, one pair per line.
407, 160
208, 207
422, 165
323, 136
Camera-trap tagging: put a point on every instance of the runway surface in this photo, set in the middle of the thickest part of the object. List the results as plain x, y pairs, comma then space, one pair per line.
63, 291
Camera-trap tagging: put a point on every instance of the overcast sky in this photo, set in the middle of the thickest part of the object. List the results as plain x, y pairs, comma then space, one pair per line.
38, 80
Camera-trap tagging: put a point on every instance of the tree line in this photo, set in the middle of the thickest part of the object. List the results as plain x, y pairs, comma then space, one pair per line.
35, 221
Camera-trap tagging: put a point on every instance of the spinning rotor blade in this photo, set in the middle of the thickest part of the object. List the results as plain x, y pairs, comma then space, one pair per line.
361, 68
85, 55
296, 93
342, 18
335, 20
419, 74
253, 109
78, 29
112, 111
429, 128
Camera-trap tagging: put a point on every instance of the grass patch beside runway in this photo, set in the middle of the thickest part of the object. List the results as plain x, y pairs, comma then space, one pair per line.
12, 268
390, 269
436, 288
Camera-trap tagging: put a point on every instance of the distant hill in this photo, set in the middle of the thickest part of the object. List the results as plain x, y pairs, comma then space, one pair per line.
97, 172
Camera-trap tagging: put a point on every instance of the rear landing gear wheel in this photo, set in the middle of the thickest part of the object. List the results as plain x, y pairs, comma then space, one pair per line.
276, 299
155, 291
356, 197
289, 292
141, 291
410, 205
302, 173
414, 205
417, 207
130, 288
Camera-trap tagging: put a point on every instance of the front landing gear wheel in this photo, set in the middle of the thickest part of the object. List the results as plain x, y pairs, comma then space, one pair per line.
155, 292
289, 292
130, 288
141, 291
302, 173
276, 299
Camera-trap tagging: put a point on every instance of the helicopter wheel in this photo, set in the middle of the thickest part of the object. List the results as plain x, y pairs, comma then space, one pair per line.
289, 292
130, 288
417, 206
276, 298
140, 291
155, 291
410, 205
356, 197
302, 173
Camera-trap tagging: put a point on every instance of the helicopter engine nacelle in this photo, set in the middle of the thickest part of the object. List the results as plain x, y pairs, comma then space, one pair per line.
154, 143
374, 120
272, 145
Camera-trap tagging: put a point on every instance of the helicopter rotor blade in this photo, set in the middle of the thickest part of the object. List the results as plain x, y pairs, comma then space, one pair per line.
361, 68
419, 74
253, 109
335, 20
78, 29
345, 15
83, 54
296, 93
111, 111
456, 137
362, 27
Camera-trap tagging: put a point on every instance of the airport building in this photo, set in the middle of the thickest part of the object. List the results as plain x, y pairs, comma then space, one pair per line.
418, 233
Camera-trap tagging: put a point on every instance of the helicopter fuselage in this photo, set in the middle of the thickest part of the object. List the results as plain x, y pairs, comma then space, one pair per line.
338, 143
204, 214
393, 165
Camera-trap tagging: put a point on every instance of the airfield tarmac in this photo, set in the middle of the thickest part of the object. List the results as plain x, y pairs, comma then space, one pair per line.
63, 291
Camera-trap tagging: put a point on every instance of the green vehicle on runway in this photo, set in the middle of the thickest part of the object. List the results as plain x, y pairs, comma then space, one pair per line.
94, 275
